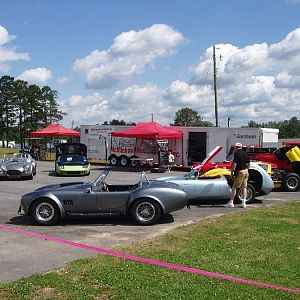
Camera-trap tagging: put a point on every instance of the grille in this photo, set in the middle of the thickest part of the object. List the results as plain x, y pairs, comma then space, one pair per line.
13, 172
73, 172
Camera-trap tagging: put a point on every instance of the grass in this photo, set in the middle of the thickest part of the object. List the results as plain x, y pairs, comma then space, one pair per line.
259, 245
9, 152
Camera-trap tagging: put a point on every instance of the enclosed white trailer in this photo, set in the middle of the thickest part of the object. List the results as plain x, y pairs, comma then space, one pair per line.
193, 147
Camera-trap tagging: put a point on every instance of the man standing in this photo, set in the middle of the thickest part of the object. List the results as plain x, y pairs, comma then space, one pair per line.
240, 174
171, 159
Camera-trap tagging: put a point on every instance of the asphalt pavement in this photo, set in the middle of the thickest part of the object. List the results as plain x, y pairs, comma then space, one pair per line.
22, 255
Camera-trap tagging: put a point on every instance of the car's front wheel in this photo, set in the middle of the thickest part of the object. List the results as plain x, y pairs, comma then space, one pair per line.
145, 212
45, 212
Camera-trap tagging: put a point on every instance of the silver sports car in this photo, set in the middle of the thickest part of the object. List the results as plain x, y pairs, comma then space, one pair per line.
145, 202
22, 165
199, 188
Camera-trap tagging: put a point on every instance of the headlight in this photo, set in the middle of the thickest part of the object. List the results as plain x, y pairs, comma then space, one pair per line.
27, 167
61, 167
265, 167
85, 166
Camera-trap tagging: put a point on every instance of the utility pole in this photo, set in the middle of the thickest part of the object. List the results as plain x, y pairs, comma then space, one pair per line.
215, 86
228, 121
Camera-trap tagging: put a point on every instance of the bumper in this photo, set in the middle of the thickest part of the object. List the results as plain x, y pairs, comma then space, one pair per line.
74, 171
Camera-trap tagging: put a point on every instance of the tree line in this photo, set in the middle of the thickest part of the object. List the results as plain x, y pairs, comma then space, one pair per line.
287, 128
25, 108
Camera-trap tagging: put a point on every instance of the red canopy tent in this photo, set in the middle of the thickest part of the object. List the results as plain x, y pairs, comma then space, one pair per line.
55, 130
149, 130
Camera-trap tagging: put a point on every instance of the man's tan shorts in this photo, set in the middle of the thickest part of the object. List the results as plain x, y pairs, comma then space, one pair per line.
240, 181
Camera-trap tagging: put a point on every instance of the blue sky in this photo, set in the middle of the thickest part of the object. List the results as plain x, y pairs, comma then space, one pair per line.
129, 59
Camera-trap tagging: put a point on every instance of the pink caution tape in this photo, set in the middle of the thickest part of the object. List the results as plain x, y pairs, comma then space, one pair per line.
149, 261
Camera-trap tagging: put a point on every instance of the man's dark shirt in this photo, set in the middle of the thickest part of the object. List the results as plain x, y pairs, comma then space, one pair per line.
241, 159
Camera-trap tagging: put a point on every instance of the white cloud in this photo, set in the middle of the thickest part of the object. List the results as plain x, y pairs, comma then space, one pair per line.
85, 109
63, 80
256, 82
9, 54
36, 76
133, 104
129, 55
4, 36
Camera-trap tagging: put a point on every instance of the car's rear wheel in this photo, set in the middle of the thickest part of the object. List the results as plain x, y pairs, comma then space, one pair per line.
45, 212
145, 212
251, 192
291, 182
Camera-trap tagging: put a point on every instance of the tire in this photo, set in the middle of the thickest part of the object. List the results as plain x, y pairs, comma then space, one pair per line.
113, 160
291, 182
124, 161
45, 212
251, 192
34, 171
145, 212
134, 163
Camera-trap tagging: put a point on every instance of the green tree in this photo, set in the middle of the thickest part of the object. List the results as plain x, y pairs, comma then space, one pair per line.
118, 122
7, 112
189, 117
253, 124
287, 128
20, 107
25, 108
51, 111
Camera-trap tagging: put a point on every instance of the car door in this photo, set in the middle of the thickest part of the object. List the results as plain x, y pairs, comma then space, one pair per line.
187, 185
79, 200
114, 202
206, 188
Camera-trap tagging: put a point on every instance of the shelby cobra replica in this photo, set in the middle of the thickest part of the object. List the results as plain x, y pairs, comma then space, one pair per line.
145, 202
22, 165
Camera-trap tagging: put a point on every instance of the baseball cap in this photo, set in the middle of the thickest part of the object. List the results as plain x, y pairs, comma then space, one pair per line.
238, 145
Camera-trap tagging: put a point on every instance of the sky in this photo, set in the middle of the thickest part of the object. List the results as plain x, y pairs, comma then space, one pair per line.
138, 60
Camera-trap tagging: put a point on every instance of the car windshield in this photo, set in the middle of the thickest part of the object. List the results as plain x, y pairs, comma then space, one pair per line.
72, 158
192, 174
20, 156
97, 183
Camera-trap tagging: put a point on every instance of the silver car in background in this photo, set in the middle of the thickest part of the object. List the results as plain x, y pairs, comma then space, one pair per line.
21, 165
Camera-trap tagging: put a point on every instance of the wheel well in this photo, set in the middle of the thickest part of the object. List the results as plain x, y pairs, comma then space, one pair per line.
145, 199
255, 178
61, 210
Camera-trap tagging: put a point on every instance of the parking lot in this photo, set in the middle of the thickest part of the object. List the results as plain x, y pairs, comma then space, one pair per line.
22, 255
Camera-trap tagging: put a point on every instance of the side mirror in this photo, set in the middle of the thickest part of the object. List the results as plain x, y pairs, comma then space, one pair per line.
88, 190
